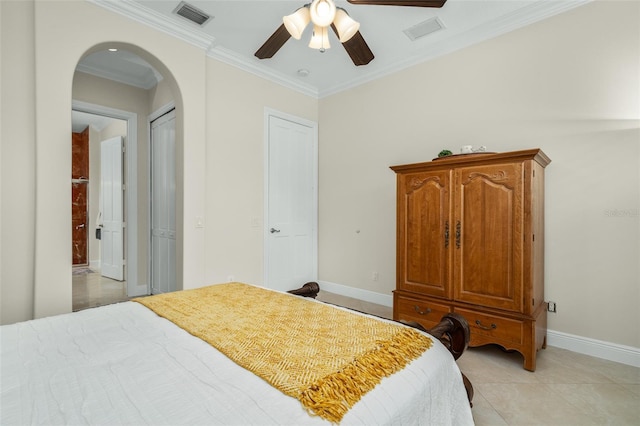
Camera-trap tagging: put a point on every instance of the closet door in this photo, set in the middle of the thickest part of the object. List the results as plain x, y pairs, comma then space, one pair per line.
424, 233
291, 237
163, 205
488, 235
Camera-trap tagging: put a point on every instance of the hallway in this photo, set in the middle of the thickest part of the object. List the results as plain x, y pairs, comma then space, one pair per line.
90, 289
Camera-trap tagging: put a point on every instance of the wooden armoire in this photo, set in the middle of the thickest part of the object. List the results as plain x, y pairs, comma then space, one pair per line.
470, 239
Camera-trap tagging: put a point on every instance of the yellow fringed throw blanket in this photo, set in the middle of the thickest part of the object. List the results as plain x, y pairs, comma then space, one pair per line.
325, 357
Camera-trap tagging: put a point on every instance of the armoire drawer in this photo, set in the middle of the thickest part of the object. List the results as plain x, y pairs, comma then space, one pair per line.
495, 327
424, 312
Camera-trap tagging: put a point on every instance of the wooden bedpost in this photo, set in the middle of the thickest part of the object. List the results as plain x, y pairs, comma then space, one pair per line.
453, 331
310, 289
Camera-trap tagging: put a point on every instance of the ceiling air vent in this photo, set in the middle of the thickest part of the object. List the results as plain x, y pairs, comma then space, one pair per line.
423, 29
192, 13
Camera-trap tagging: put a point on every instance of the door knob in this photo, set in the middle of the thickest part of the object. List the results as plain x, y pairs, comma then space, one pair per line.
274, 230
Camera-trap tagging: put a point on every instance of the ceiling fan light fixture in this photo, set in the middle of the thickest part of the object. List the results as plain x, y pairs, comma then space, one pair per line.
320, 38
346, 26
322, 12
297, 21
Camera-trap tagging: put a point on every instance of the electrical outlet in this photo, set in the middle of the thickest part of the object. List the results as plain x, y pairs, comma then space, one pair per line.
375, 276
551, 306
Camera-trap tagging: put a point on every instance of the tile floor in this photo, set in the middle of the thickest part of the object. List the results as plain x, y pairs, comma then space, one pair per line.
566, 389
90, 289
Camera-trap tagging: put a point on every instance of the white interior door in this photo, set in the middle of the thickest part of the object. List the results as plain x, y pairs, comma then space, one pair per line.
111, 209
163, 204
292, 206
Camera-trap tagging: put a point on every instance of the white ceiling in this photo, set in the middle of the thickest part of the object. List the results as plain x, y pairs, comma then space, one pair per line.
239, 27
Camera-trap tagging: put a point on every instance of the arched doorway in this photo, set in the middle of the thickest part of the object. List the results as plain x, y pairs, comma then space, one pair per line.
125, 82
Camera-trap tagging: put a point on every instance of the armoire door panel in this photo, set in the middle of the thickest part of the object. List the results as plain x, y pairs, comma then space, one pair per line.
424, 230
487, 264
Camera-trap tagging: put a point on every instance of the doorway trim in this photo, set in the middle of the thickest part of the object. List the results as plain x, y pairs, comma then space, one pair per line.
131, 192
269, 112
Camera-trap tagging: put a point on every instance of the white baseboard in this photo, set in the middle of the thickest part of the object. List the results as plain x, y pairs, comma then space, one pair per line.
138, 290
606, 350
357, 293
94, 264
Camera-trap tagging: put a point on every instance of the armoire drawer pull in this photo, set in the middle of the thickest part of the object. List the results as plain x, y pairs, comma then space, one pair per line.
420, 311
484, 327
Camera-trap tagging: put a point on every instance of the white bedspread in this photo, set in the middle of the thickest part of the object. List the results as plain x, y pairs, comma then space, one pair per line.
122, 364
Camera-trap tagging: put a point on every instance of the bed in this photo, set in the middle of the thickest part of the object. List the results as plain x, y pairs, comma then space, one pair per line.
132, 363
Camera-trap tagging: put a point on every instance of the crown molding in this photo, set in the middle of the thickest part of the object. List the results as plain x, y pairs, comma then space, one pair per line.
188, 33
238, 61
193, 36
535, 12
509, 22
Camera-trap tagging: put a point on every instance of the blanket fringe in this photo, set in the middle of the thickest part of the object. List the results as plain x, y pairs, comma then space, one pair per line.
332, 396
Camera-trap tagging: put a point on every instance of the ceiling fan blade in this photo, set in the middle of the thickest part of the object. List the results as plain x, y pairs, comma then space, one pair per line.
357, 48
411, 3
273, 43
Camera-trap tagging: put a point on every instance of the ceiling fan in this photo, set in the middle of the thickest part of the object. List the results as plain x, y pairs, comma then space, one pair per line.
323, 14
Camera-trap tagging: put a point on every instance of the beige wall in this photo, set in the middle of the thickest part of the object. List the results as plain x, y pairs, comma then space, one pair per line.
36, 273
17, 171
159, 96
562, 85
236, 104
218, 129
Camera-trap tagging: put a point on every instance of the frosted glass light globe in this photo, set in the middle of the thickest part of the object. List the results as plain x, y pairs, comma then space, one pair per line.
322, 12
